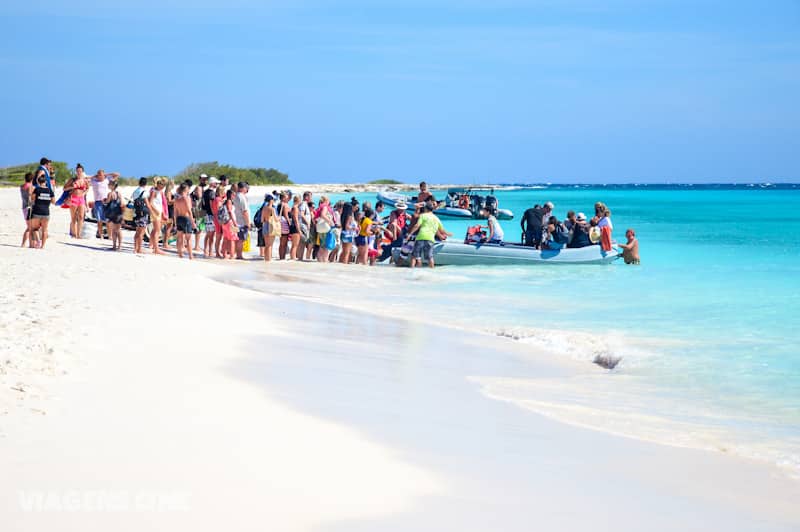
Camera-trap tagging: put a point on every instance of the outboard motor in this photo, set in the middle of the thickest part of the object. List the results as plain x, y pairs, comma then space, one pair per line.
476, 204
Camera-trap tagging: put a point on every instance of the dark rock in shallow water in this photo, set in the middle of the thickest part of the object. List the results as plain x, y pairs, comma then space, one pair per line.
607, 361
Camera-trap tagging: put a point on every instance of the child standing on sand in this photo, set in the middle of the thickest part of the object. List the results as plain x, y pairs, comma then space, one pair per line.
25, 193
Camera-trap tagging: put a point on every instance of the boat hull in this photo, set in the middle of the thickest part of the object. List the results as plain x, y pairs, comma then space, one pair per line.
460, 254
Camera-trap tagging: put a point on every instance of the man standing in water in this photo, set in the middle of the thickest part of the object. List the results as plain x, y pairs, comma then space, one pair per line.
630, 250
428, 225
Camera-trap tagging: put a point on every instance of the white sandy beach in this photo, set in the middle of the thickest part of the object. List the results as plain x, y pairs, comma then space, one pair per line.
150, 393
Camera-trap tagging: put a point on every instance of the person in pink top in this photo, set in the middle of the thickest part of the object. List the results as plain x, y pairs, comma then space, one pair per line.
323, 218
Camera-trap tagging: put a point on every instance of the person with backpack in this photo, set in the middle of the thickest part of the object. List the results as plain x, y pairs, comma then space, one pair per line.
207, 207
141, 215
225, 216
258, 223
270, 226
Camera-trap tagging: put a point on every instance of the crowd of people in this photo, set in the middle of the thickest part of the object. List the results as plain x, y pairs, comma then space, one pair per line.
216, 213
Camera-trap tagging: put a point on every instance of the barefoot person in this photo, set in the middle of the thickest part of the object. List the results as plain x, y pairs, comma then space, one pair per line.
294, 227
112, 207
158, 213
100, 183
184, 220
269, 226
630, 250
169, 221
41, 198
197, 207
141, 214
241, 216
77, 187
207, 203
25, 191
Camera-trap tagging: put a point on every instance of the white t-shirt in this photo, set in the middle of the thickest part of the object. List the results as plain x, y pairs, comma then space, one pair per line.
498, 231
605, 221
99, 188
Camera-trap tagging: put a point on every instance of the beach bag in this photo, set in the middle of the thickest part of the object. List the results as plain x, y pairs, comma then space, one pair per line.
594, 234
322, 225
274, 226
222, 214
246, 245
330, 241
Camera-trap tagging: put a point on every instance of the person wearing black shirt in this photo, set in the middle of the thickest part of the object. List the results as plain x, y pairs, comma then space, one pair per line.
41, 198
531, 224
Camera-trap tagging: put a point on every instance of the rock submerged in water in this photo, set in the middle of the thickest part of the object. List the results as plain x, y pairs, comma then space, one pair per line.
606, 361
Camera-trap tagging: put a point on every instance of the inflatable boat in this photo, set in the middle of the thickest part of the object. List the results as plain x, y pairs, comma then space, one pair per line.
459, 254
466, 203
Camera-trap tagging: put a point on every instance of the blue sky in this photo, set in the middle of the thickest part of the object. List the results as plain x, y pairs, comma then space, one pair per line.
461, 91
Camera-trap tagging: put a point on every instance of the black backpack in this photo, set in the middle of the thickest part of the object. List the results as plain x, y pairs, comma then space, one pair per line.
140, 209
257, 217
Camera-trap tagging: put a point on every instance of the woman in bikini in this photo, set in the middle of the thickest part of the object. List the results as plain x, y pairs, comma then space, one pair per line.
229, 229
294, 227
77, 187
268, 220
283, 214
349, 232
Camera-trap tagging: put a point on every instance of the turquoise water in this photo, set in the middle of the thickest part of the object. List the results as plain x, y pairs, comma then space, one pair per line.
707, 327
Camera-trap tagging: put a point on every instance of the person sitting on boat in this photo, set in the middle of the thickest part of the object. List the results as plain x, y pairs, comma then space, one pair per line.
556, 234
579, 236
463, 202
570, 221
495, 231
